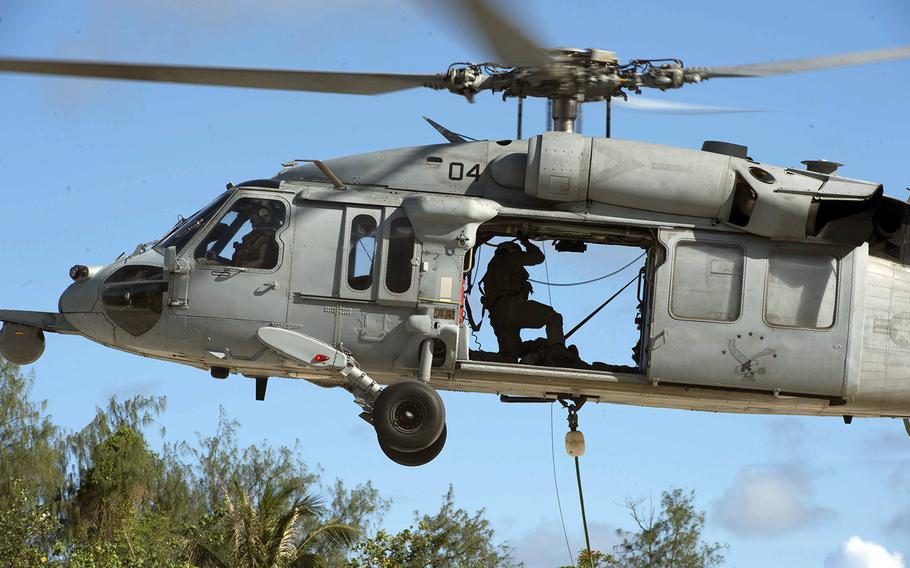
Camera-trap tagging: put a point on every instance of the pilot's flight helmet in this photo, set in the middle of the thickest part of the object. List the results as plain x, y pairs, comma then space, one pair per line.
260, 208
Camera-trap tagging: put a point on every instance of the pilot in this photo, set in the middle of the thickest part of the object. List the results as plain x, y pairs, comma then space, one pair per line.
259, 247
506, 290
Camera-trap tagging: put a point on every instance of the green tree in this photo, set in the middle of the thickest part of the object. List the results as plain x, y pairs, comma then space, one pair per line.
451, 537
142, 541
26, 528
118, 485
219, 462
275, 529
669, 539
126, 504
111, 467
31, 446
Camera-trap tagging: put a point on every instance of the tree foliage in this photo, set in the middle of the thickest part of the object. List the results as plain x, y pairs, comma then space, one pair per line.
31, 446
274, 529
101, 497
25, 529
671, 538
451, 537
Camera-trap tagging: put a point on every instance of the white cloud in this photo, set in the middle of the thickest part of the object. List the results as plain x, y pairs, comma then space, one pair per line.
545, 546
789, 434
769, 500
858, 553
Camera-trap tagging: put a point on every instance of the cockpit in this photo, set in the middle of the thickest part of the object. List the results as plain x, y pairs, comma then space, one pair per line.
133, 295
184, 231
245, 236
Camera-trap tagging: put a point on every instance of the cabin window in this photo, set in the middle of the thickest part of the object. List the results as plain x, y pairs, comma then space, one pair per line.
802, 290
401, 253
245, 236
707, 281
362, 250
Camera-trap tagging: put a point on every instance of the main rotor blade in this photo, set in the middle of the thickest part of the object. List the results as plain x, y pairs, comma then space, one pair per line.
318, 81
809, 64
513, 47
671, 107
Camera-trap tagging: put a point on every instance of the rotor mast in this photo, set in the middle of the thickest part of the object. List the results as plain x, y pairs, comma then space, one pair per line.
564, 113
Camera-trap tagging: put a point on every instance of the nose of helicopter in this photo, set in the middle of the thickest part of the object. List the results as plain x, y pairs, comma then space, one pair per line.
82, 295
125, 296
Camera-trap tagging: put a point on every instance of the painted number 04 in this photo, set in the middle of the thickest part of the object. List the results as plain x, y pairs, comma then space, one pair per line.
457, 171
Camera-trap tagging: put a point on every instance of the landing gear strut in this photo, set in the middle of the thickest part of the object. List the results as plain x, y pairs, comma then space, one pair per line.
409, 417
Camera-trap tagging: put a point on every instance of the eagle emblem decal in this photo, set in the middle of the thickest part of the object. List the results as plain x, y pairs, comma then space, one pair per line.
748, 365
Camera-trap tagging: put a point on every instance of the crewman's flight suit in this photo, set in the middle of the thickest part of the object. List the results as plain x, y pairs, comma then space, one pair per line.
258, 248
506, 290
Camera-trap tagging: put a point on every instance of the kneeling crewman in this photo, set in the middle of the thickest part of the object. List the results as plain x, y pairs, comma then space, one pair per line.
506, 291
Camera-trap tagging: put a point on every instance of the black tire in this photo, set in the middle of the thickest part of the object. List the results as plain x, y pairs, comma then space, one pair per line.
420, 457
408, 416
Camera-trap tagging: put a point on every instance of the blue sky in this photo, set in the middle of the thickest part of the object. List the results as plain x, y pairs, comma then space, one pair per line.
89, 169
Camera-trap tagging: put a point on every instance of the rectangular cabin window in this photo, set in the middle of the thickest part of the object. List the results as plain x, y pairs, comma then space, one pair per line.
362, 252
401, 252
707, 281
802, 290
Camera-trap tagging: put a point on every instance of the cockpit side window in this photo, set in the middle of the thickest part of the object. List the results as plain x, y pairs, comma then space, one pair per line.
246, 235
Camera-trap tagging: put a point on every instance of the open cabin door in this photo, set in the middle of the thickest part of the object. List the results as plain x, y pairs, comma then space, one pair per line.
740, 312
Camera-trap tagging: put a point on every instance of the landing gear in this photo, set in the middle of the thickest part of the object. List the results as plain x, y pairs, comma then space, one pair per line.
409, 418
419, 457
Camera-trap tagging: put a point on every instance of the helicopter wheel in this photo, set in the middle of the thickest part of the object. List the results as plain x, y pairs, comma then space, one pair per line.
420, 457
408, 417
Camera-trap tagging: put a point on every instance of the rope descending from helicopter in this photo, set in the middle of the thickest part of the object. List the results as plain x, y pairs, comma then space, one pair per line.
562, 518
575, 447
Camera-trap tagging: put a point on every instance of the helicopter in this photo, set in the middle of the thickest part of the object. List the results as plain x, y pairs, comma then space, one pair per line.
762, 290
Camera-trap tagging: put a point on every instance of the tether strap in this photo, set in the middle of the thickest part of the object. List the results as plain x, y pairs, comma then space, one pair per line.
474, 325
602, 306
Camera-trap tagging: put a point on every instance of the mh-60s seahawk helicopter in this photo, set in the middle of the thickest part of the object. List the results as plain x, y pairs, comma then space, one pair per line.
766, 289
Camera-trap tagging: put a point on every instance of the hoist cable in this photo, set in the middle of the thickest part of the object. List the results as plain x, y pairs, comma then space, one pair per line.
584, 518
562, 519
614, 273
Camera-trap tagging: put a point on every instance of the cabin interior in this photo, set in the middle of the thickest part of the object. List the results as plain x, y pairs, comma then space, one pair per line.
596, 278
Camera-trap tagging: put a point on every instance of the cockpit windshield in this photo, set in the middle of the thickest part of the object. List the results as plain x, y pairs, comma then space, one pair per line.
183, 232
